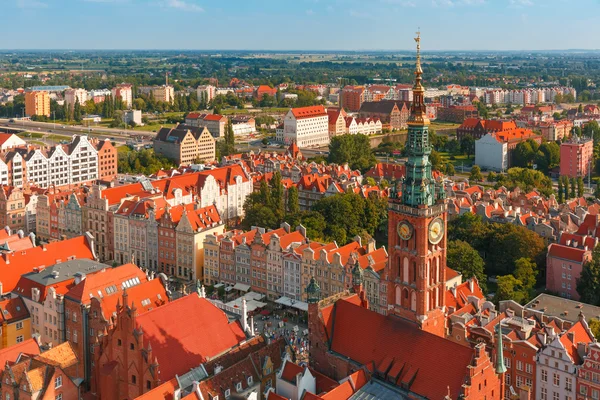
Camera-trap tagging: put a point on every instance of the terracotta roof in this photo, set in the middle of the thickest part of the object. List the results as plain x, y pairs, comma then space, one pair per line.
309, 112
13, 310
163, 392
62, 355
145, 296
368, 337
567, 252
107, 282
214, 117
11, 354
205, 336
15, 264
290, 371
579, 334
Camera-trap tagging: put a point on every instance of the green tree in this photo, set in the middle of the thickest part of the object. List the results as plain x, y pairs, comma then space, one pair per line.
573, 187
475, 175
525, 153
580, 188
227, 146
369, 181
450, 171
463, 258
491, 176
292, 200
561, 194
436, 160
526, 272
352, 149
277, 196
509, 288
588, 284
594, 325
467, 145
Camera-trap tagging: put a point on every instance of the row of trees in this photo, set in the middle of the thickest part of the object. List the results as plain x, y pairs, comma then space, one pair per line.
336, 218
569, 188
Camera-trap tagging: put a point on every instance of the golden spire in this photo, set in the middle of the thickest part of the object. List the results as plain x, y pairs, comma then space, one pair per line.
418, 109
419, 70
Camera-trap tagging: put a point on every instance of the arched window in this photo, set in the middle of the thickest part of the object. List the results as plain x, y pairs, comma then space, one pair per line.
413, 301
405, 270
414, 271
405, 299
398, 299
398, 266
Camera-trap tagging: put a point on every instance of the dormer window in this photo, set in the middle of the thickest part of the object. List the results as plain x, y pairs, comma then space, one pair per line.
249, 380
238, 386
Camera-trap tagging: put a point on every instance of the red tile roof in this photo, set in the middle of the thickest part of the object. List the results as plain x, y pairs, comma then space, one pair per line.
146, 296
290, 371
214, 117
106, 278
15, 264
11, 354
580, 334
206, 335
309, 112
368, 337
13, 310
567, 252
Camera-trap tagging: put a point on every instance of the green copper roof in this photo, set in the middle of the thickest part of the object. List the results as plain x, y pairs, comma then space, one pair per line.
500, 367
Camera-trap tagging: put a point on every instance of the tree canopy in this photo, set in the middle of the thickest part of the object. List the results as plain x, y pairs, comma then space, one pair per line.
460, 256
352, 149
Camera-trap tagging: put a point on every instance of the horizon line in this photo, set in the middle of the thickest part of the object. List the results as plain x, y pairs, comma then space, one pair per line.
299, 50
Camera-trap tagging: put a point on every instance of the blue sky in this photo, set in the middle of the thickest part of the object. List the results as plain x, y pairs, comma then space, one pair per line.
300, 24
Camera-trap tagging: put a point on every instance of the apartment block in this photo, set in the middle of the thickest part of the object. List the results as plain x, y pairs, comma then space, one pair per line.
576, 157
185, 144
37, 103
123, 91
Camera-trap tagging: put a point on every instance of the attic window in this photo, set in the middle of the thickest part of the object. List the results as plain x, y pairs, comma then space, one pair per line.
238, 386
227, 394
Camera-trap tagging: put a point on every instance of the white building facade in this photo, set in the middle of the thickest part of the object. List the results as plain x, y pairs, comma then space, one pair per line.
491, 154
306, 126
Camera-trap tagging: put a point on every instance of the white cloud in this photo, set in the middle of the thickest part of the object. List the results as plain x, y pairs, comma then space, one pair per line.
183, 5
31, 4
401, 3
310, 12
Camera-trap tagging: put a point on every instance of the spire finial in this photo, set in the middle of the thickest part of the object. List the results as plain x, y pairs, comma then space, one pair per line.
418, 70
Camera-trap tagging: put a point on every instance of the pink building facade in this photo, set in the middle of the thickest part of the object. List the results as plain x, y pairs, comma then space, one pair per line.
576, 157
563, 267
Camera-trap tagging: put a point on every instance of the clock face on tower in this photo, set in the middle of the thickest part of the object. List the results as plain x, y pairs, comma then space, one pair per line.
436, 230
405, 230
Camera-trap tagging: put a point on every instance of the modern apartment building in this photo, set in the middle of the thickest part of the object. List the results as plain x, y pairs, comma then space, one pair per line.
164, 93
576, 157
123, 91
185, 144
37, 103
74, 95
209, 91
306, 126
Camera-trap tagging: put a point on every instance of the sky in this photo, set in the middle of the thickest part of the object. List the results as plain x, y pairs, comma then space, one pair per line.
300, 24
